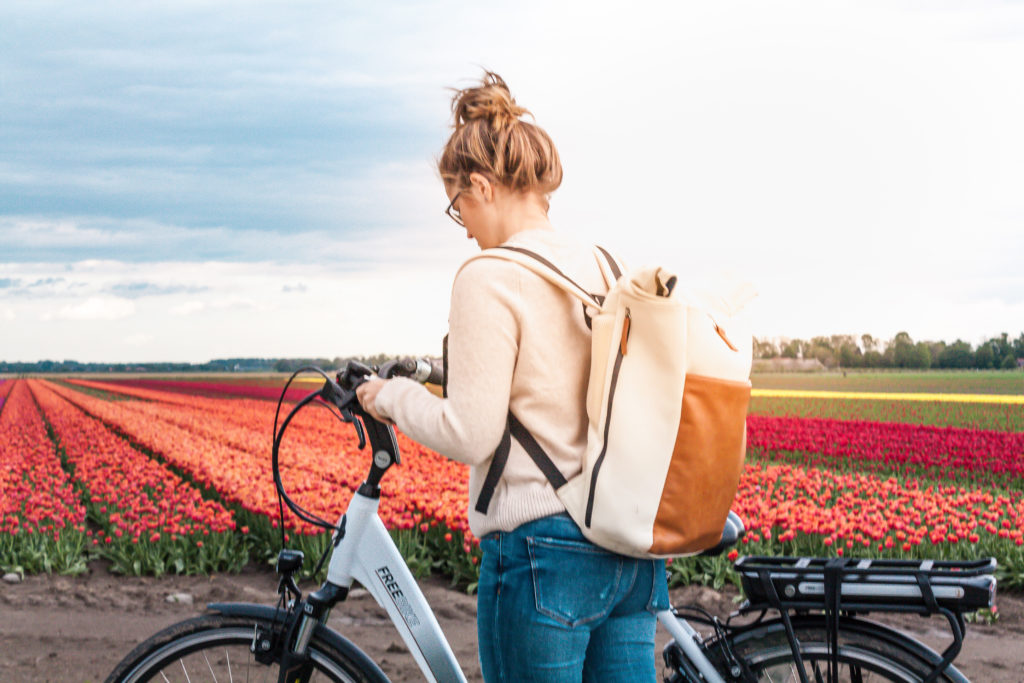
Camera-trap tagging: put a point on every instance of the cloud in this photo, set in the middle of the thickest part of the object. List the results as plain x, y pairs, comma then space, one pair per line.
39, 288
409, 234
223, 303
46, 282
139, 339
134, 290
245, 311
188, 308
97, 308
848, 158
40, 238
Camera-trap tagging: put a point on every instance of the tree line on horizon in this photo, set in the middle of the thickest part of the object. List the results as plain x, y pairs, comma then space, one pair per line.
217, 365
835, 351
847, 351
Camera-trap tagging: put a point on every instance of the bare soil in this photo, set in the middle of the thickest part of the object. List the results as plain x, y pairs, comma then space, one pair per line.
60, 628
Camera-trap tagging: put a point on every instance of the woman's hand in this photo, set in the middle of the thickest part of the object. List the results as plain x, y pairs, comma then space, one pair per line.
367, 395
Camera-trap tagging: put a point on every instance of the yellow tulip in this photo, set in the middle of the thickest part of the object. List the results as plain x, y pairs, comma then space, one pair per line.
891, 396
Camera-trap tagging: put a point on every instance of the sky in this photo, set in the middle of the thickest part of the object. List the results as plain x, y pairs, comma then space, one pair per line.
192, 180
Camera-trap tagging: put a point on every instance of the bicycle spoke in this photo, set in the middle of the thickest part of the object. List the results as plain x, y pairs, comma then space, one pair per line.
210, 666
216, 655
815, 670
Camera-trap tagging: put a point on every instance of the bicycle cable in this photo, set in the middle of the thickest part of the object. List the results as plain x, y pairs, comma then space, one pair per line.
714, 622
282, 495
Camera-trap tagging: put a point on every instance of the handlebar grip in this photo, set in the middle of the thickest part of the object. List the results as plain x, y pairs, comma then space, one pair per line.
436, 375
428, 371
424, 370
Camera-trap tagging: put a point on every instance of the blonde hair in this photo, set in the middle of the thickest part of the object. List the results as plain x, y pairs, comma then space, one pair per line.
490, 138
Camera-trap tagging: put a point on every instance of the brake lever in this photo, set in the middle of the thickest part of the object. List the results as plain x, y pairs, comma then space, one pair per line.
346, 401
348, 416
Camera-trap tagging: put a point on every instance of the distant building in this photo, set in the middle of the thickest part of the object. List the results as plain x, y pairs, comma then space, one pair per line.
788, 365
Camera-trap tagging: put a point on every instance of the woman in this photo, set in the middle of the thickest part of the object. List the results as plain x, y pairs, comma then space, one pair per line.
551, 605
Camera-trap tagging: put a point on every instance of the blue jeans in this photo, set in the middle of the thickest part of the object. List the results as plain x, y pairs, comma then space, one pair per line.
552, 606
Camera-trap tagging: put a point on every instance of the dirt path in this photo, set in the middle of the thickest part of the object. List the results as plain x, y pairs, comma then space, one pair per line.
55, 628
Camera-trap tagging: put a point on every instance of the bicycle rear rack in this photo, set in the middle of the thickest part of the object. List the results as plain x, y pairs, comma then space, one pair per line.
835, 585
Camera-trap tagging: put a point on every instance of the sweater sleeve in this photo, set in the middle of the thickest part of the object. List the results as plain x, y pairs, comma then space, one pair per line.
483, 342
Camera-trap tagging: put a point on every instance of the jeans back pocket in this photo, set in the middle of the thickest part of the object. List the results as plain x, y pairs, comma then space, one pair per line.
574, 582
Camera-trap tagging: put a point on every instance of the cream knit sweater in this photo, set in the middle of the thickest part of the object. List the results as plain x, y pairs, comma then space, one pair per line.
515, 341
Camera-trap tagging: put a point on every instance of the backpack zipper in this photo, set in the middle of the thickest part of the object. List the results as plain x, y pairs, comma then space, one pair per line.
608, 415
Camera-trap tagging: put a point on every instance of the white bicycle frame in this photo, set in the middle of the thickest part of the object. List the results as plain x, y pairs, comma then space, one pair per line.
367, 554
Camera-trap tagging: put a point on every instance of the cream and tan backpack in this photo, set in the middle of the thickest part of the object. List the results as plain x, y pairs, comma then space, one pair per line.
667, 403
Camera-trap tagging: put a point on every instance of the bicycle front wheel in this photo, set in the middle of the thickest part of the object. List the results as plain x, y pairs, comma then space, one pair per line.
867, 652
218, 647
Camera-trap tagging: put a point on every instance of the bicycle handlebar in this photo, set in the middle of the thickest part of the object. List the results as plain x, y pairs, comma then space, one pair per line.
423, 370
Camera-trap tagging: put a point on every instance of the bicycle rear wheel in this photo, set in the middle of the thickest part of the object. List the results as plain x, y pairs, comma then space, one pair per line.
867, 652
217, 647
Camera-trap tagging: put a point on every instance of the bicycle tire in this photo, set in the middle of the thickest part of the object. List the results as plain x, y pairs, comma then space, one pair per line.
200, 648
867, 652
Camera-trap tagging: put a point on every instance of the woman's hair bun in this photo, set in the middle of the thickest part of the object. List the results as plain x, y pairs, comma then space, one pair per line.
490, 138
490, 101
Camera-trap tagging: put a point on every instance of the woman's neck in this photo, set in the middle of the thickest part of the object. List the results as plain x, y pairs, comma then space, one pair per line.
522, 212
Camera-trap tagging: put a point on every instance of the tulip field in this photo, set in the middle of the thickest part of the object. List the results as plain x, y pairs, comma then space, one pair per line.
174, 475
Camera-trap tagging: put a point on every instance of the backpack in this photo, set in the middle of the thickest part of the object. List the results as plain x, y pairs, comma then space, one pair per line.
666, 403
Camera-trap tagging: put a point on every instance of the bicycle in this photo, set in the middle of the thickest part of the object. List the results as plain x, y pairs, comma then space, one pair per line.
817, 631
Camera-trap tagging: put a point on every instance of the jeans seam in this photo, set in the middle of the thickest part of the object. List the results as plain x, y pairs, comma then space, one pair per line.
632, 581
495, 639
654, 586
561, 544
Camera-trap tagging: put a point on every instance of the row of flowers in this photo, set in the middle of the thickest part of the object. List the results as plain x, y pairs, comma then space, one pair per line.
226, 444
852, 509
213, 389
38, 504
979, 456
984, 455
873, 514
320, 463
5, 389
148, 518
1001, 417
223, 446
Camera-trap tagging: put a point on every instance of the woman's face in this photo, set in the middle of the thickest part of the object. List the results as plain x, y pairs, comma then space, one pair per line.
473, 205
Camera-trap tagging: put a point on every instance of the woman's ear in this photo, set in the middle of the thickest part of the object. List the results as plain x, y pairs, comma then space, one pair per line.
482, 185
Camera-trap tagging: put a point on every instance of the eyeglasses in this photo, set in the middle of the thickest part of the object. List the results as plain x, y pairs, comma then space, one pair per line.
452, 212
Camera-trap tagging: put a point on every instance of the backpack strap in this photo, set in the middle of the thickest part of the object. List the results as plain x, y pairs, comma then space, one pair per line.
542, 267
611, 270
498, 461
514, 428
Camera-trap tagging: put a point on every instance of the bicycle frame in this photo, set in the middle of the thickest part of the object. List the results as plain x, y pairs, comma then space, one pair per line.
366, 553
687, 638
